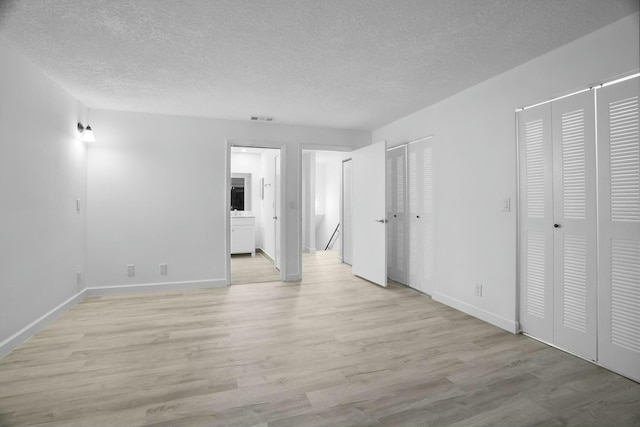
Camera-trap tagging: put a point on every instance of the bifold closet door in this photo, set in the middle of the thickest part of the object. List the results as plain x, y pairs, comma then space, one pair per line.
397, 215
619, 228
536, 221
558, 223
575, 225
420, 213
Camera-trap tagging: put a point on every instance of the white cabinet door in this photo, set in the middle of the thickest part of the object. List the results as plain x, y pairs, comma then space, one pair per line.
243, 236
619, 228
369, 222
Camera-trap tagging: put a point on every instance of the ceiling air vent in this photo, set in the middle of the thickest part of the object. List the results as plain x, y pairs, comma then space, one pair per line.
263, 118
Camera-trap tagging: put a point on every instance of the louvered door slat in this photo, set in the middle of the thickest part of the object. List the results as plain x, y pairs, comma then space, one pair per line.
534, 302
575, 283
535, 168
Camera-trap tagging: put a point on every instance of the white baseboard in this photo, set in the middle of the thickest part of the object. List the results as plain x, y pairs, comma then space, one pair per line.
506, 324
309, 250
293, 277
34, 327
266, 254
155, 287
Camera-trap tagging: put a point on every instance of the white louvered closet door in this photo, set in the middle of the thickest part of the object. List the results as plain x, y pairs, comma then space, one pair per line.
413, 207
574, 211
536, 222
619, 228
397, 267
420, 213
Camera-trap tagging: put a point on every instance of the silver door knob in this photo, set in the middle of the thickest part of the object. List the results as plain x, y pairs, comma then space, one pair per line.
384, 221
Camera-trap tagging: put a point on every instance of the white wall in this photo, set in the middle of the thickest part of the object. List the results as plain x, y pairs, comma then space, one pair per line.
42, 173
156, 187
475, 164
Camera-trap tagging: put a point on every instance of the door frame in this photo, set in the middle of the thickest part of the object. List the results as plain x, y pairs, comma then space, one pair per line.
282, 197
277, 212
342, 198
311, 147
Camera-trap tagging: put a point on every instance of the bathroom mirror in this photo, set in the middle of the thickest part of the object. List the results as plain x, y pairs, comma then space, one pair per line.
241, 191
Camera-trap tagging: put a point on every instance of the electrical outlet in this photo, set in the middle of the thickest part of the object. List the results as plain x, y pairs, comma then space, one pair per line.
506, 204
478, 289
131, 270
79, 277
163, 269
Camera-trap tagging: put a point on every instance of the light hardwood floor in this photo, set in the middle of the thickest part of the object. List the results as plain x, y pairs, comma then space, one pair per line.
332, 350
252, 269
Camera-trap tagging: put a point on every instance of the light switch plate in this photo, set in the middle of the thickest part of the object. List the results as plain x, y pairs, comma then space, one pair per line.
506, 204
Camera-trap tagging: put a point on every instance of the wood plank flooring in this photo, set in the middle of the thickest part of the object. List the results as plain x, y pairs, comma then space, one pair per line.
332, 350
257, 269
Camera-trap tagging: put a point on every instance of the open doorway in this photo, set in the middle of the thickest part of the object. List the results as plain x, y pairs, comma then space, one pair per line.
254, 214
322, 225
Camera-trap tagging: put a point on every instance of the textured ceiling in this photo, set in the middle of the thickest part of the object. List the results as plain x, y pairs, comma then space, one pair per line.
356, 64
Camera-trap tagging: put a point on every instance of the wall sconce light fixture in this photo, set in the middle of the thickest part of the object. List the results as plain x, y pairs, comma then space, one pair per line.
87, 133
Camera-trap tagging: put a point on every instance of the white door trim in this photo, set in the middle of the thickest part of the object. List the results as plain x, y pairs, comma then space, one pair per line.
283, 233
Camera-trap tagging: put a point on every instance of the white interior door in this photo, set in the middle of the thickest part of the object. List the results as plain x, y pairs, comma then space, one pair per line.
575, 225
536, 222
277, 202
369, 222
619, 228
347, 215
397, 263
